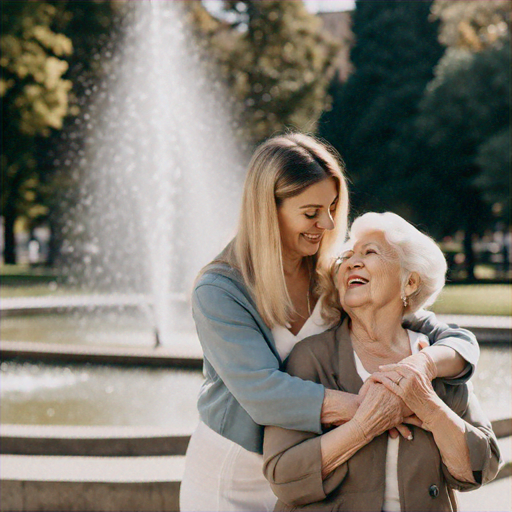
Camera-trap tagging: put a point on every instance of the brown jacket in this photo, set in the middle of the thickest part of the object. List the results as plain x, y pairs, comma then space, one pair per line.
292, 459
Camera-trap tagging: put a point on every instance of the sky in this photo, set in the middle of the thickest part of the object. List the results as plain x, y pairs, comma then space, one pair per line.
329, 5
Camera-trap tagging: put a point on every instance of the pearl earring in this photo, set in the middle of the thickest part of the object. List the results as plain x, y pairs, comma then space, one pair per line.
404, 300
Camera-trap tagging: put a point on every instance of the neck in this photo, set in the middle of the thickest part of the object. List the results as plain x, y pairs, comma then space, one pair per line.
292, 266
378, 332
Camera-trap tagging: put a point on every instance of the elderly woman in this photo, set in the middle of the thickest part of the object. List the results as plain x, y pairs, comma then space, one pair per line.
389, 269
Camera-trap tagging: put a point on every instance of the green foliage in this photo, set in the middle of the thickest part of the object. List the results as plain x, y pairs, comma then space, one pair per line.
473, 25
34, 96
33, 90
373, 115
429, 141
276, 61
46, 47
465, 125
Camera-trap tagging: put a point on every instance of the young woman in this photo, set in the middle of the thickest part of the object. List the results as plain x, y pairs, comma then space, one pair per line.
254, 303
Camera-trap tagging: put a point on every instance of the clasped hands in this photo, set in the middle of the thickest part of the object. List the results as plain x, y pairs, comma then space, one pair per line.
397, 395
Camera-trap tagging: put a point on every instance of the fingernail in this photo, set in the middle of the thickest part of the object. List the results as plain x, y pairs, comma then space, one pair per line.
409, 437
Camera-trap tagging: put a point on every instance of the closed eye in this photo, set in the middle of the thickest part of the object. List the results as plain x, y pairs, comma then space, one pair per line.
311, 215
345, 256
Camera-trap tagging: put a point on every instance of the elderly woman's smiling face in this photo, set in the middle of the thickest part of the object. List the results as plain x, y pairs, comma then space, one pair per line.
370, 274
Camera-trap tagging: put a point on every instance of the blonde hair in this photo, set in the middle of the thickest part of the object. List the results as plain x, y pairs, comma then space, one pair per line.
416, 252
282, 167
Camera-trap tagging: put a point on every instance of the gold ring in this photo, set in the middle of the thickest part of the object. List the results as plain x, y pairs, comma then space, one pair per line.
398, 381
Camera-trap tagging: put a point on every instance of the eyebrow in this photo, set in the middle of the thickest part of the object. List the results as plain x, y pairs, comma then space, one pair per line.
317, 205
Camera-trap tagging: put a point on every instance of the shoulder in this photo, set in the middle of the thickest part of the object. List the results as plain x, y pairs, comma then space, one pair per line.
221, 277
221, 294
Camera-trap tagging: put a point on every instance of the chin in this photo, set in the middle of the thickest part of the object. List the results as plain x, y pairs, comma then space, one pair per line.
353, 302
310, 251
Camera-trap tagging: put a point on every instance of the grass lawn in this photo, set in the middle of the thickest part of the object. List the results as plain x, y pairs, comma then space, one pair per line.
470, 299
475, 299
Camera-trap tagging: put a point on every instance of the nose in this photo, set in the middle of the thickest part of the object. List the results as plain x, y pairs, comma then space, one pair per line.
325, 221
355, 261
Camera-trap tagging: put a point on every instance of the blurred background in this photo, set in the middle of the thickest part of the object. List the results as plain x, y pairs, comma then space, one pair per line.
126, 131
414, 95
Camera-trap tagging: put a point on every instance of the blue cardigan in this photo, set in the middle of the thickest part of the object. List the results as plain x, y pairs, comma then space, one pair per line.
245, 387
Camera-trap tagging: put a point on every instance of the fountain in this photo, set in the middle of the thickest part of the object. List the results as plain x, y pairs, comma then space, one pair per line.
160, 175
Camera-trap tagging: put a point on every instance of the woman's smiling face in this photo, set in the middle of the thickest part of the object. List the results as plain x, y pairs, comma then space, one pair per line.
304, 218
370, 274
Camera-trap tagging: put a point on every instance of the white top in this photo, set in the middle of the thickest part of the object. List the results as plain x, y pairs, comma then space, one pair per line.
285, 340
391, 494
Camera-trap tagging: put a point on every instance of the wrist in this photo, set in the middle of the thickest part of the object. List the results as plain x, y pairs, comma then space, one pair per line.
361, 431
339, 406
430, 365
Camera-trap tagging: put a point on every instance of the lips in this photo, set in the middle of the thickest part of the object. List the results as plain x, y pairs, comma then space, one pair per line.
354, 281
312, 238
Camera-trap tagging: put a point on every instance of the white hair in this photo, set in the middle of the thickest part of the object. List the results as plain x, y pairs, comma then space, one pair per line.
416, 251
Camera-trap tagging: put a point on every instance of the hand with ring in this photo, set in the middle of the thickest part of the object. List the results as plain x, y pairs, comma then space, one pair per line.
414, 388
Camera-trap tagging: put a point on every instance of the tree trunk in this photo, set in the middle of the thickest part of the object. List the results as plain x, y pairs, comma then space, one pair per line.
469, 254
9, 238
54, 243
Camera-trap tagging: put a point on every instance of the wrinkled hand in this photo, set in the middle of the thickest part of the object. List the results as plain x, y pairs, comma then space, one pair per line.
415, 389
401, 429
379, 411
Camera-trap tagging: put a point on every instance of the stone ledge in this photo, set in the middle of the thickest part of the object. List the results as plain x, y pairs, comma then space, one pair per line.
116, 441
91, 441
35, 496
145, 356
32, 483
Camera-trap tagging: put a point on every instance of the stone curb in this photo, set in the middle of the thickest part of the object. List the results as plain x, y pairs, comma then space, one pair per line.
53, 353
115, 441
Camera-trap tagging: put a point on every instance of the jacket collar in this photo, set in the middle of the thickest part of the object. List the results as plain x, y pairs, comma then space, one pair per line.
351, 381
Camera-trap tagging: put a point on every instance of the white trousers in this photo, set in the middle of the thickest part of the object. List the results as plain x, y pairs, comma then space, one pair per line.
222, 476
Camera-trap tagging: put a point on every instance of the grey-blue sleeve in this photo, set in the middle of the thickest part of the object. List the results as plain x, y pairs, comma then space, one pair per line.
461, 340
236, 348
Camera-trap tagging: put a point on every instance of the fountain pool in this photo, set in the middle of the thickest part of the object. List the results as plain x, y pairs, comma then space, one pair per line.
107, 395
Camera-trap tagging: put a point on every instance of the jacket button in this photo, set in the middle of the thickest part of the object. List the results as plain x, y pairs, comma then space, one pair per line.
433, 490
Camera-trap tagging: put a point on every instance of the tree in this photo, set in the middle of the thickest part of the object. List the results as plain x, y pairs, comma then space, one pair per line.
275, 60
463, 130
34, 97
47, 67
374, 111
464, 126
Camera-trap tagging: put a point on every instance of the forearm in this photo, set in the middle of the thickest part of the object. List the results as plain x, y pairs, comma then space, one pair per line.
460, 340
340, 444
447, 361
448, 430
338, 407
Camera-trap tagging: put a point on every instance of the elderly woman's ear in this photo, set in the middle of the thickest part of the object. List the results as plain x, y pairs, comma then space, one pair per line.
412, 284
